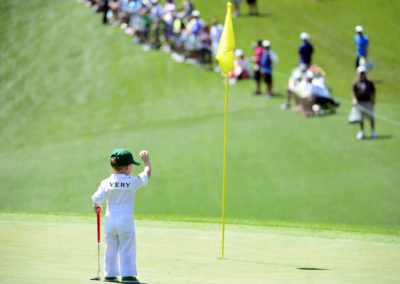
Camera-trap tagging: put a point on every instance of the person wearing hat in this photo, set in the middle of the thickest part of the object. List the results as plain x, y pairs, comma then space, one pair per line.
196, 24
306, 50
257, 54
119, 191
241, 69
266, 65
363, 100
362, 43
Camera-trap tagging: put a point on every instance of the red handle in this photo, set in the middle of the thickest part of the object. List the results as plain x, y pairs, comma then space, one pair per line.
98, 226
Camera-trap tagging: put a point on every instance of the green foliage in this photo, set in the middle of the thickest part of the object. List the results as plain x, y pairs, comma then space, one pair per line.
72, 90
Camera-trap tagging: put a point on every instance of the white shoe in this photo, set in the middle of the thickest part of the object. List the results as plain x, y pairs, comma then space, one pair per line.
360, 135
232, 81
374, 134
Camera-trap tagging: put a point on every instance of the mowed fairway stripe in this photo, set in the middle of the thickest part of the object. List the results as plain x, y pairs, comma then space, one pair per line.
56, 249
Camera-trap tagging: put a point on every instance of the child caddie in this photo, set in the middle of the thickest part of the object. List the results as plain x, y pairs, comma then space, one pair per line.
119, 191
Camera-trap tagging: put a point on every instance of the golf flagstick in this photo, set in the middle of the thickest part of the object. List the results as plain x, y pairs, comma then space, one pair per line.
98, 211
225, 60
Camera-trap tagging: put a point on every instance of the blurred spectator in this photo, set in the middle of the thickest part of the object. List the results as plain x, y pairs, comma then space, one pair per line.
113, 13
168, 13
156, 26
253, 8
266, 64
177, 39
362, 43
306, 50
124, 13
321, 95
258, 52
134, 7
143, 24
298, 74
156, 10
205, 50
215, 33
236, 7
187, 8
104, 7
241, 69
196, 24
363, 100
310, 92
304, 95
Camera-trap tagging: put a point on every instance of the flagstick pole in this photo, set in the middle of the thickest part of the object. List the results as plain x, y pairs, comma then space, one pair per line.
224, 165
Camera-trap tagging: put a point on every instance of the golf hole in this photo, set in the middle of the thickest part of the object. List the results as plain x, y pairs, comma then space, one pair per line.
311, 268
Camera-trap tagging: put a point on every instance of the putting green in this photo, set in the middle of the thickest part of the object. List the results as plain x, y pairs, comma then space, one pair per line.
59, 249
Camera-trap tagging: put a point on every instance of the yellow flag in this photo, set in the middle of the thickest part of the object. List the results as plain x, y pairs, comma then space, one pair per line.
226, 43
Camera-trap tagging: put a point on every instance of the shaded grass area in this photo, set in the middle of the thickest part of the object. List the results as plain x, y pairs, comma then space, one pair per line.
310, 228
62, 249
72, 90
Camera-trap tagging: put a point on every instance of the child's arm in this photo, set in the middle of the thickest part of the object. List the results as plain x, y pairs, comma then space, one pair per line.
146, 159
97, 198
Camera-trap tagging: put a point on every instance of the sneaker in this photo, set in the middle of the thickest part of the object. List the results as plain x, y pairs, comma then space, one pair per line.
130, 280
232, 81
374, 134
111, 279
360, 135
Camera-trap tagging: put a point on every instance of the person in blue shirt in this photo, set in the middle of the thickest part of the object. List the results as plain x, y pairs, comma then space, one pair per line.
306, 50
266, 63
362, 43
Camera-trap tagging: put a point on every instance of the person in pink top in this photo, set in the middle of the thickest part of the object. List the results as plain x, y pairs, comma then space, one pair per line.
258, 51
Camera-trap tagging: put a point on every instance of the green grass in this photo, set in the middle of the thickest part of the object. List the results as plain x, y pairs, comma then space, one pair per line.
62, 249
72, 90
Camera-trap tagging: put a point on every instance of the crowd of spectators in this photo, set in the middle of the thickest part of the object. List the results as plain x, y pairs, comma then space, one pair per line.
180, 29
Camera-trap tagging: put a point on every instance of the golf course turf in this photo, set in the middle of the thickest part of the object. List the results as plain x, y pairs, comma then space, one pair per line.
306, 202
62, 249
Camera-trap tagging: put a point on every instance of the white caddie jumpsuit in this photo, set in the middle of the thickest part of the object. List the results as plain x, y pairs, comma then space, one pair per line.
119, 191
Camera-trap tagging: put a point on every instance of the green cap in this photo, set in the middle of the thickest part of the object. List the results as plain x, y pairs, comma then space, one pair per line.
124, 157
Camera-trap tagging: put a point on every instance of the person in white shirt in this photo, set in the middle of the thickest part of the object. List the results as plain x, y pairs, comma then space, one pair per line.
215, 33
119, 192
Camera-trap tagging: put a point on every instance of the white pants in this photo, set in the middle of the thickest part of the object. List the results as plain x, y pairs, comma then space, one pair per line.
120, 240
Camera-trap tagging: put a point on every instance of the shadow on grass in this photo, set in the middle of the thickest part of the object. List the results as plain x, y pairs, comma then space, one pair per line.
311, 268
276, 264
116, 281
379, 137
259, 15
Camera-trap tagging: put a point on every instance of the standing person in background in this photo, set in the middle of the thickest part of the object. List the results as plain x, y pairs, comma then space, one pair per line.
215, 33
266, 66
236, 7
362, 43
253, 9
205, 46
363, 100
306, 50
105, 8
258, 52
168, 13
196, 24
